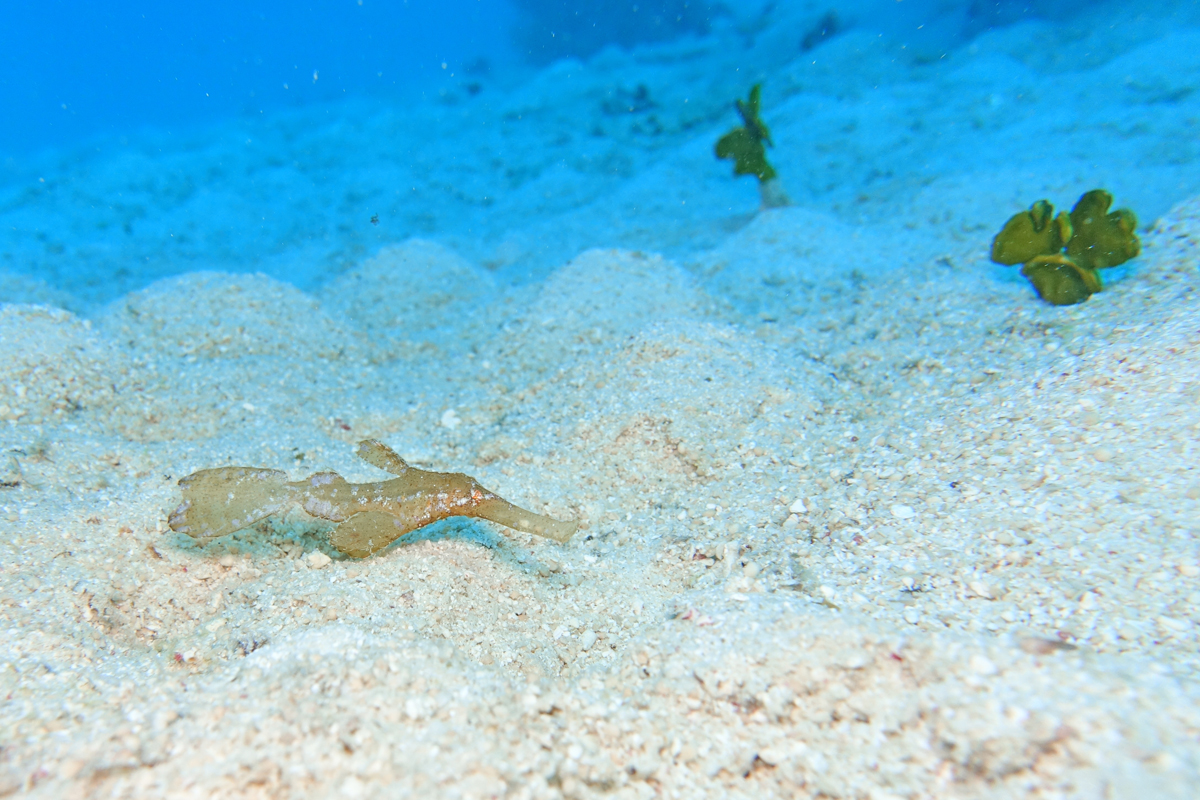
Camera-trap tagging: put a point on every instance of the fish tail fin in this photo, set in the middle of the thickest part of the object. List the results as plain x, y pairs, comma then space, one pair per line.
497, 509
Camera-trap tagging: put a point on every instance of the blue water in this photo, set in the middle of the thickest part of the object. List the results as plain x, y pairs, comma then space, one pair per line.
75, 71
144, 140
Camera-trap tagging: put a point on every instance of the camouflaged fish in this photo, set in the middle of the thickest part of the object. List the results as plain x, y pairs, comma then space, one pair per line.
370, 516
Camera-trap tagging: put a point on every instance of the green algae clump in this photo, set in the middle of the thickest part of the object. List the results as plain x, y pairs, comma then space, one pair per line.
1031, 234
1102, 239
747, 146
1093, 238
1060, 281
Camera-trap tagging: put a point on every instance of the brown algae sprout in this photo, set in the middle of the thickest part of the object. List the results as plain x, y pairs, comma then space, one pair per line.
746, 145
370, 516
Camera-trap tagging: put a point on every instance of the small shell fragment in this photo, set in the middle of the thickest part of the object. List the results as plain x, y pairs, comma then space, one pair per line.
981, 589
1036, 645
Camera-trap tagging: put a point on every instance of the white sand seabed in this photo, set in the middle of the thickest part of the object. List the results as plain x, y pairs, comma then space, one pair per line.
860, 516
982, 479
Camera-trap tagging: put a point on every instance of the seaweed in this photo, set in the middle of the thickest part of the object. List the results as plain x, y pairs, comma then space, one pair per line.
1102, 240
370, 516
1093, 239
1060, 281
747, 145
1031, 233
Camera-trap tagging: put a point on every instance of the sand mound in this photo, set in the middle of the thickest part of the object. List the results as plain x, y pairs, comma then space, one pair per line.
214, 315
615, 292
418, 292
593, 303
1174, 241
16, 287
53, 364
772, 266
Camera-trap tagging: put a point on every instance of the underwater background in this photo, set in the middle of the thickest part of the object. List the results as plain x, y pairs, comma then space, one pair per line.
859, 339
251, 137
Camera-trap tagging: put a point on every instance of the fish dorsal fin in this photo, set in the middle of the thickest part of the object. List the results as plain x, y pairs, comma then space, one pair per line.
378, 454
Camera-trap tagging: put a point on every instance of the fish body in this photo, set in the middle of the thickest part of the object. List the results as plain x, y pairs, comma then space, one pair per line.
370, 516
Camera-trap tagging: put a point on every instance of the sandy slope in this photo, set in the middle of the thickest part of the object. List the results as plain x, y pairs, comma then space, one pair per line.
983, 479
860, 516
